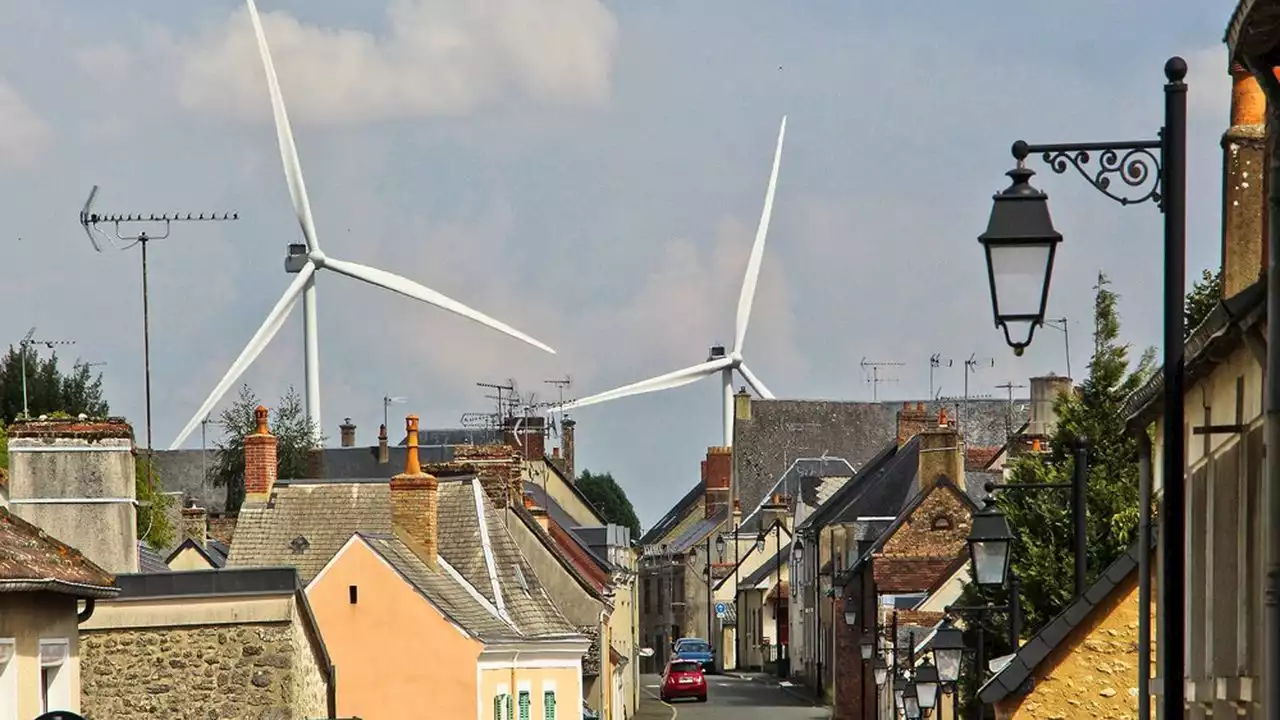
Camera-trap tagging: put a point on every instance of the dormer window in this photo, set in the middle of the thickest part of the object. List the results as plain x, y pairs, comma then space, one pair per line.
299, 545
942, 522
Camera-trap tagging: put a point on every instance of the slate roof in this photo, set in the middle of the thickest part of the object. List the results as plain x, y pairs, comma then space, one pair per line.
813, 480
31, 560
149, 561
730, 613
324, 514
456, 436
879, 489
214, 552
781, 430
561, 517
673, 517
698, 532
1022, 665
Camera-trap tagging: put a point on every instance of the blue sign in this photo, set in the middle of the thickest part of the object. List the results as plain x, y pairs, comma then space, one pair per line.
720, 608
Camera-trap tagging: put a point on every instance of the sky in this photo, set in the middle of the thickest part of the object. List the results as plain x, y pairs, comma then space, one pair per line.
591, 173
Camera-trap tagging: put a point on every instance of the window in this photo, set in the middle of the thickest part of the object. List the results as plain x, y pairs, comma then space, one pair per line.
55, 677
525, 702
502, 709
8, 679
548, 701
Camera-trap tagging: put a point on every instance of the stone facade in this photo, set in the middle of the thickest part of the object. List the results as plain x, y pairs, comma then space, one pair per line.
1094, 672
261, 671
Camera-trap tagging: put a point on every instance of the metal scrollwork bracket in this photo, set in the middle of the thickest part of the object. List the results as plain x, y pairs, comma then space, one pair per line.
1138, 165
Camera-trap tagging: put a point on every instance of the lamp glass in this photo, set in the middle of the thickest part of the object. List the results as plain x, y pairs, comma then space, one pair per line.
990, 561
882, 676
948, 663
850, 617
867, 648
720, 547
1019, 274
760, 543
912, 706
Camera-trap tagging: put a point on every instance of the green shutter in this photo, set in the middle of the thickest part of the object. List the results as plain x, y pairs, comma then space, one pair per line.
525, 702
497, 707
549, 705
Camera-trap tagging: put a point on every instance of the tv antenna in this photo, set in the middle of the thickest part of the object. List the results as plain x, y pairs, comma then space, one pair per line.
27, 342
1010, 386
502, 400
936, 361
971, 366
561, 386
1062, 324
123, 241
873, 375
387, 402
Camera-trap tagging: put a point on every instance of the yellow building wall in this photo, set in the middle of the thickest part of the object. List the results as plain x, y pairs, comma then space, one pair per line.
393, 649
28, 618
1094, 671
189, 559
565, 681
538, 472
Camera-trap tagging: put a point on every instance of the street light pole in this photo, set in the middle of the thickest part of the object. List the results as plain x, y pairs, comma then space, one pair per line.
1020, 234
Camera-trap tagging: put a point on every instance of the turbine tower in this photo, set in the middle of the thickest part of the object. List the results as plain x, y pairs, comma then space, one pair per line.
718, 361
308, 263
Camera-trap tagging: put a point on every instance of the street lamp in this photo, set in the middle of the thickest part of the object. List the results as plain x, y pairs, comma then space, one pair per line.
850, 617
760, 542
1153, 170
948, 650
989, 542
899, 689
1020, 244
720, 547
881, 672
911, 701
927, 685
868, 645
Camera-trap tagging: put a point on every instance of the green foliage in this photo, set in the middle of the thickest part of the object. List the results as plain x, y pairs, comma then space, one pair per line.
1204, 295
1043, 555
605, 494
295, 438
4, 447
49, 390
154, 523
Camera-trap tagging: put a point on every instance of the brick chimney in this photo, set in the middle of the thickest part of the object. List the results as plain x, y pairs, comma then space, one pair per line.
348, 430
566, 443
774, 509
912, 420
538, 512
195, 524
528, 434
1044, 395
415, 500
498, 468
383, 451
259, 460
941, 454
1244, 172
717, 471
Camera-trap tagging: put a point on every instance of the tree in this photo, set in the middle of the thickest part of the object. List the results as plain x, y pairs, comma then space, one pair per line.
295, 438
1204, 296
154, 523
605, 494
1043, 554
48, 388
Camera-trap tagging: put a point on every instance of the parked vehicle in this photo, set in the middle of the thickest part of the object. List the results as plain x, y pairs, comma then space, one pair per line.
683, 679
697, 650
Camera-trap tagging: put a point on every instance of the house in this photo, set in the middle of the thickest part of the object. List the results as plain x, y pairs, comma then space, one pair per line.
1083, 661
307, 523
1226, 521
41, 582
196, 550
763, 595
242, 644
450, 594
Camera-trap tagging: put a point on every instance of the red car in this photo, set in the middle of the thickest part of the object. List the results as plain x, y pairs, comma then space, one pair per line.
684, 679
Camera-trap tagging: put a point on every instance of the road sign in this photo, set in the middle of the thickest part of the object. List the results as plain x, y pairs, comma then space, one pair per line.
720, 609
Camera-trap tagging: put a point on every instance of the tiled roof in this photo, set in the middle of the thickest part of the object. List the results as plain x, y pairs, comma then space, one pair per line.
149, 561
698, 532
444, 591
909, 574
579, 556
780, 430
323, 514
1011, 679
673, 517
562, 518
880, 488
31, 561
813, 480
591, 658
979, 457
214, 552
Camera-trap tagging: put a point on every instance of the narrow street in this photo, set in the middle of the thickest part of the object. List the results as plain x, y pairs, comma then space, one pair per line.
728, 698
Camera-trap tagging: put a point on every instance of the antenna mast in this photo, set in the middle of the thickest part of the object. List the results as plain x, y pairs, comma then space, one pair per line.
873, 376
1010, 386
936, 361
90, 221
26, 343
971, 366
501, 399
1061, 324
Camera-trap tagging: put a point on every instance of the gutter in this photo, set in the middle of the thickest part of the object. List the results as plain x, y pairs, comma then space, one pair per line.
62, 587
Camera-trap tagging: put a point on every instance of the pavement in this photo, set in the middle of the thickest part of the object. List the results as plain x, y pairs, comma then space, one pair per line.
732, 696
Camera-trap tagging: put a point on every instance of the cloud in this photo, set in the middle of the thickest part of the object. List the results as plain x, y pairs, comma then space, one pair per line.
438, 58
107, 65
1208, 84
24, 136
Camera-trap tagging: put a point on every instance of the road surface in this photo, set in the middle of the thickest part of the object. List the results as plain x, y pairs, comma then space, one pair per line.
728, 698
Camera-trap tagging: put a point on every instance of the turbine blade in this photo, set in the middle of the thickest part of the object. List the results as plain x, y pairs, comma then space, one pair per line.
273, 323
409, 288
754, 382
284, 133
668, 381
757, 249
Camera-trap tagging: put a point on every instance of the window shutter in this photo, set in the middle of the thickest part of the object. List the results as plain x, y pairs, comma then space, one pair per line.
497, 707
549, 705
525, 704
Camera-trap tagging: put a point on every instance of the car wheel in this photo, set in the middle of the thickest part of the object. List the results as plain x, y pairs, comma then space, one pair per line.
702, 698
663, 697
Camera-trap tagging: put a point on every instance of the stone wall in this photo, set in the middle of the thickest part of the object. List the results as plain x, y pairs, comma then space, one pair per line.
1093, 672
937, 528
218, 672
310, 677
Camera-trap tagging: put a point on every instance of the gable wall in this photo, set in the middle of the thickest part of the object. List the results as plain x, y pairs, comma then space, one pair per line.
917, 538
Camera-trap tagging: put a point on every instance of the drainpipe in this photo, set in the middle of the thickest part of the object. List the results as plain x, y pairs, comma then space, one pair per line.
1271, 484
84, 615
1144, 575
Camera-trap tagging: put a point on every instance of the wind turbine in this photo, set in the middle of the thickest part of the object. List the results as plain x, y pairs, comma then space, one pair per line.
717, 361
309, 265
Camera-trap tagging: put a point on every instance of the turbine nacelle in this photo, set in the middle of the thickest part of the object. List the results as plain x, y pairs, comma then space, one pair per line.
296, 258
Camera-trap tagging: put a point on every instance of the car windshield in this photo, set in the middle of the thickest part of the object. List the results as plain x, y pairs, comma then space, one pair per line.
684, 667
696, 646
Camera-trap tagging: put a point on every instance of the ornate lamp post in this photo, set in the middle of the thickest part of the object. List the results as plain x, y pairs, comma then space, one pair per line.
1020, 243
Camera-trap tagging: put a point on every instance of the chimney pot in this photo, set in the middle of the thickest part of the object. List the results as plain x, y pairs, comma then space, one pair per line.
566, 439
348, 430
1244, 176
415, 499
383, 451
